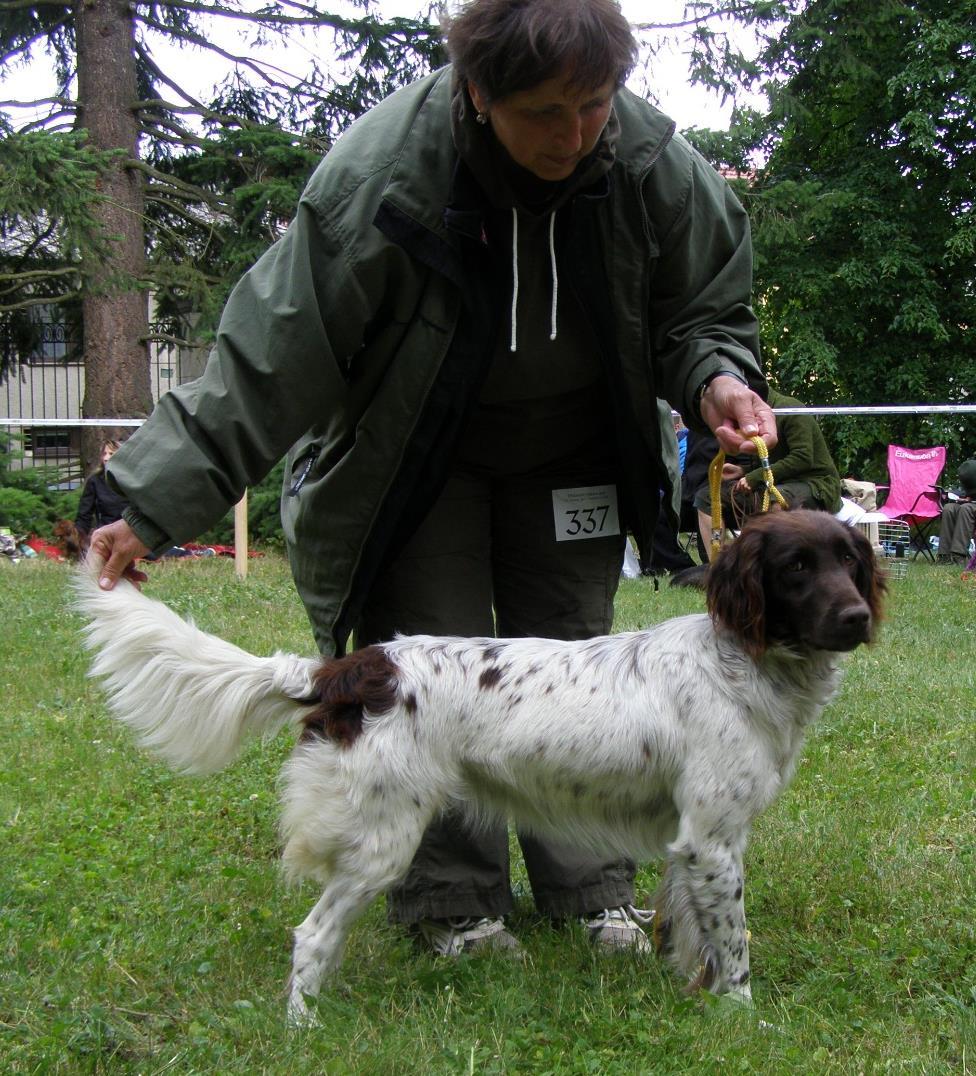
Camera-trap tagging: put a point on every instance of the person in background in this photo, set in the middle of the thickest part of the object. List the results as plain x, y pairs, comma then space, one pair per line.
681, 433
461, 342
667, 556
957, 527
803, 470
100, 504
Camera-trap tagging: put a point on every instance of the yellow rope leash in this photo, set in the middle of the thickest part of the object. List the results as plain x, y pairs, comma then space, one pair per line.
715, 489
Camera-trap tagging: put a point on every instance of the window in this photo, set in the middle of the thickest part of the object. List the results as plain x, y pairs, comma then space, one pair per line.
51, 442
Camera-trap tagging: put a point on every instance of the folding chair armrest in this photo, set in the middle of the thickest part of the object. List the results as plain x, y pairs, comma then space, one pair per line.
927, 495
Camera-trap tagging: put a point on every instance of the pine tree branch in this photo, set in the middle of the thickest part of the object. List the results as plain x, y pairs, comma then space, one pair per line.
172, 133
46, 34
166, 338
314, 17
202, 111
192, 38
161, 76
165, 180
19, 5
734, 10
65, 102
39, 300
47, 122
30, 275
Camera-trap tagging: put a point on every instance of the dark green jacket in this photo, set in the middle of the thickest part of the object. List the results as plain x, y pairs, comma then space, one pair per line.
360, 340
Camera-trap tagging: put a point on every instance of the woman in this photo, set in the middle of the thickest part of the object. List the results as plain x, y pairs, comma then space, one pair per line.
463, 335
99, 504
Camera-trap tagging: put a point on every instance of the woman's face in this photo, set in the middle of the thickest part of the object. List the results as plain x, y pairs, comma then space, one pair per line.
548, 129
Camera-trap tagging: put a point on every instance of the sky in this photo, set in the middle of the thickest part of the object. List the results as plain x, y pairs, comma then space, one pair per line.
689, 106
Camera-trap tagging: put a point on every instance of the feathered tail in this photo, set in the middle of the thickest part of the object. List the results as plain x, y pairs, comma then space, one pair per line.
191, 697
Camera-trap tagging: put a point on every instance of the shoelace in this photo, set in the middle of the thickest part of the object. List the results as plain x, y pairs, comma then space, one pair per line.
482, 926
625, 914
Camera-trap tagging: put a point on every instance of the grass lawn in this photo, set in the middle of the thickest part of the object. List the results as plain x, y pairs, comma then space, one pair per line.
145, 928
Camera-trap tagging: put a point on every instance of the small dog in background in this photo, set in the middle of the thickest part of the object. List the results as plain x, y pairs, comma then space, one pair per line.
72, 543
665, 742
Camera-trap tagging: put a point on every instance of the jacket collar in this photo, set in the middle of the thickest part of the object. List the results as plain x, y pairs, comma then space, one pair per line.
422, 180
507, 184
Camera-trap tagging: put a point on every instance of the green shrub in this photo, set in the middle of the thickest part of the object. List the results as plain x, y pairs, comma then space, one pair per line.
30, 502
21, 511
263, 516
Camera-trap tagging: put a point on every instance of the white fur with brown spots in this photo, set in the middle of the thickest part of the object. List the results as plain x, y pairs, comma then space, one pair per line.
666, 742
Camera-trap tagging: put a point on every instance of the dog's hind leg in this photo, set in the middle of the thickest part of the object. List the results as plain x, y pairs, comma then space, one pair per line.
321, 939
358, 875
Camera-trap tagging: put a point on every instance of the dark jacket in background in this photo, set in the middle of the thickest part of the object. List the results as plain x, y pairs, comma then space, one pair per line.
100, 504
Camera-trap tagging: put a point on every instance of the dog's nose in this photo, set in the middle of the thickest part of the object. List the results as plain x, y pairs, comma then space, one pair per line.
856, 619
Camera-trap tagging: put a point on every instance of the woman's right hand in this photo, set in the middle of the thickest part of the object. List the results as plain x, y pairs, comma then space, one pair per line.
117, 548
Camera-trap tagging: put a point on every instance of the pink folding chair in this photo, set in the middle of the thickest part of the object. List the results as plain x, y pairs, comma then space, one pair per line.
913, 494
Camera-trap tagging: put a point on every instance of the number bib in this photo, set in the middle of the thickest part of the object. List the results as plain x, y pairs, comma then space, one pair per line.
585, 512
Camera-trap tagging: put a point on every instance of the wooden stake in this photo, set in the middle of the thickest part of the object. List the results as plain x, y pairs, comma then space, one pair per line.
240, 537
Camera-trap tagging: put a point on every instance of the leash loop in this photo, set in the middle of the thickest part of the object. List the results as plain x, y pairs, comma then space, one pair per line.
715, 489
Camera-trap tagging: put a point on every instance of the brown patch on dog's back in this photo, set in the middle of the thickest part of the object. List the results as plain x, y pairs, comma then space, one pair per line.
347, 687
489, 678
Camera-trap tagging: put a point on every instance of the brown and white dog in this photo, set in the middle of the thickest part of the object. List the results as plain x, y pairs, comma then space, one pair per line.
666, 742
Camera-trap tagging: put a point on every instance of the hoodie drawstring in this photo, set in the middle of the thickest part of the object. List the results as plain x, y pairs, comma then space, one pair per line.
513, 343
515, 280
555, 276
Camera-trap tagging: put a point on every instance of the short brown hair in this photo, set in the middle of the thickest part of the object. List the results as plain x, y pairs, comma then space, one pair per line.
505, 46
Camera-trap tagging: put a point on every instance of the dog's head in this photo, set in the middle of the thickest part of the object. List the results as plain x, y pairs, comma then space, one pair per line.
800, 578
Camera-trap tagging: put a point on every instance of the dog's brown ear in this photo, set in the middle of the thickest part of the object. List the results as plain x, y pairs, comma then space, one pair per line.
736, 598
869, 579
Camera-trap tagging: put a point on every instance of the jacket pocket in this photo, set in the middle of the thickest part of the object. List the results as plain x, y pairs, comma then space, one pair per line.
302, 468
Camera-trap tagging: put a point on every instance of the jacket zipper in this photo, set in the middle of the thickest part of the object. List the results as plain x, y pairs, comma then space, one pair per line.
308, 462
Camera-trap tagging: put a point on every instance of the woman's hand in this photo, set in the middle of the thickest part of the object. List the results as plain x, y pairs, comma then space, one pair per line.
115, 548
733, 412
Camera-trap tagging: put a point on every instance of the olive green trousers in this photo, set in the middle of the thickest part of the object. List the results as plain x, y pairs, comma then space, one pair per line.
485, 562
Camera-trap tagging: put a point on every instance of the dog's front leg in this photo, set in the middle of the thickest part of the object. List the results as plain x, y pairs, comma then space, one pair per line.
701, 923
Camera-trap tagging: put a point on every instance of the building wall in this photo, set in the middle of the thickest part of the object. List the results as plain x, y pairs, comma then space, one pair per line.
46, 388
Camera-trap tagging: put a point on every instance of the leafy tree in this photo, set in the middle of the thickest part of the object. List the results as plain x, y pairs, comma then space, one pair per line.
161, 191
863, 209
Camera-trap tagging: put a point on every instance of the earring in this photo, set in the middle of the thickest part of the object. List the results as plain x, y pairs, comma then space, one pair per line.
482, 118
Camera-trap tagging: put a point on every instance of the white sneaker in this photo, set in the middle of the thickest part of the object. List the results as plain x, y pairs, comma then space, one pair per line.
466, 934
620, 928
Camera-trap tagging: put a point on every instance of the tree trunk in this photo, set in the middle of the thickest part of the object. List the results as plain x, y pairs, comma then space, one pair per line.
115, 306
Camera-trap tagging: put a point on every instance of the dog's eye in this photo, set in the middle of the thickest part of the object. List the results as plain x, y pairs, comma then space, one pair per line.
797, 565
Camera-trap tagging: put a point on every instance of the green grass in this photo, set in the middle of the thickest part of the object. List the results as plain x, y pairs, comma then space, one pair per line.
145, 927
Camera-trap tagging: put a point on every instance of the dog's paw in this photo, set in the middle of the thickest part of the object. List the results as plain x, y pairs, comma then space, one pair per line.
299, 1017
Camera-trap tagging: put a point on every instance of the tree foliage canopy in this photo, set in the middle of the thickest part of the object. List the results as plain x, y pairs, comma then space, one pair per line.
860, 174
222, 173
863, 209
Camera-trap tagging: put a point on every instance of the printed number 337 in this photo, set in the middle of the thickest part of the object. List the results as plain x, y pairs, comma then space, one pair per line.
586, 520
585, 512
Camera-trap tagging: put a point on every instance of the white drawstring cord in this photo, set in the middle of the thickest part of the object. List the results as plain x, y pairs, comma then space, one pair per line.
555, 276
515, 280
513, 342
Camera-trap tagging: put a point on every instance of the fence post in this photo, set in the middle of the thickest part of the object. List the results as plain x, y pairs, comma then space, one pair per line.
240, 537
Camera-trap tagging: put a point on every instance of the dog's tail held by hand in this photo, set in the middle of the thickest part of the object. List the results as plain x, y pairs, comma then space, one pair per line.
190, 697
